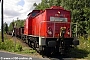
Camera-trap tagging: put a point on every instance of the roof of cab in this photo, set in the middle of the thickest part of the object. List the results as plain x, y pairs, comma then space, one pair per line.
33, 11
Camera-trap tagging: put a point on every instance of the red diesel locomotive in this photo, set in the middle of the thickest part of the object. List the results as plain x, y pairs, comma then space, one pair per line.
49, 30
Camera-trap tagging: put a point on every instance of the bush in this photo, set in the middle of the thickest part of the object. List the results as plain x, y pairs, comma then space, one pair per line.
6, 45
9, 45
18, 47
84, 44
82, 50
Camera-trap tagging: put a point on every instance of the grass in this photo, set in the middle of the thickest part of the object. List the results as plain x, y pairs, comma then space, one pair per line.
27, 51
82, 51
9, 45
85, 45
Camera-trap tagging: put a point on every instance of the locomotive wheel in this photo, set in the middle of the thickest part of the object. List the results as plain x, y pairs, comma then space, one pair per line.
28, 41
42, 52
34, 45
45, 51
29, 44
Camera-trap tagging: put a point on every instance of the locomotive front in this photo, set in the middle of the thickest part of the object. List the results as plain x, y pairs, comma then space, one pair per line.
55, 31
49, 30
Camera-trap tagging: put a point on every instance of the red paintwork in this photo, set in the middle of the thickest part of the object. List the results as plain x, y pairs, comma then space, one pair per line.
38, 25
28, 24
18, 31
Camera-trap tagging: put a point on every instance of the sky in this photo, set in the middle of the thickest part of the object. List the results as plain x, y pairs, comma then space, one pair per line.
14, 9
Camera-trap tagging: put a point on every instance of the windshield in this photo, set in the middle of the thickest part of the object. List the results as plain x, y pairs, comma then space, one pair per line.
34, 13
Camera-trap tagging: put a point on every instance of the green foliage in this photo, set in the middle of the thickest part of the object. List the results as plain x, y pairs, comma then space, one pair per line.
43, 5
84, 44
18, 47
5, 28
11, 26
82, 51
9, 45
80, 16
28, 50
78, 53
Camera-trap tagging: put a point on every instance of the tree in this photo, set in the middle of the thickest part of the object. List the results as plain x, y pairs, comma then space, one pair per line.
20, 23
34, 4
43, 5
5, 27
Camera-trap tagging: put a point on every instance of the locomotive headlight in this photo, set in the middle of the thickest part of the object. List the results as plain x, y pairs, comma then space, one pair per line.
58, 12
49, 31
68, 33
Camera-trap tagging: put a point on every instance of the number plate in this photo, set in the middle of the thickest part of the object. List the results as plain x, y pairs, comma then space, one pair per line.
58, 19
